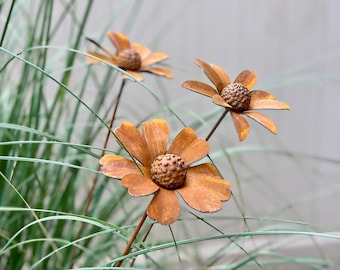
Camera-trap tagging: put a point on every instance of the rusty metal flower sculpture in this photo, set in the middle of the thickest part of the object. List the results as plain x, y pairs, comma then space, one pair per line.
166, 172
236, 97
134, 58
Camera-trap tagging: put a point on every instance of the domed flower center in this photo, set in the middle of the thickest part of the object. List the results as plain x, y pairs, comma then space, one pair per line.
129, 59
168, 171
237, 96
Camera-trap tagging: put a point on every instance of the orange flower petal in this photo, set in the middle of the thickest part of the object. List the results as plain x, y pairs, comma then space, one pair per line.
263, 120
112, 55
158, 71
154, 58
207, 176
268, 104
241, 124
156, 135
203, 170
139, 185
223, 75
164, 207
119, 40
200, 87
200, 198
219, 187
188, 146
100, 56
117, 167
218, 100
134, 142
141, 50
195, 151
185, 137
247, 78
212, 74
134, 74
260, 94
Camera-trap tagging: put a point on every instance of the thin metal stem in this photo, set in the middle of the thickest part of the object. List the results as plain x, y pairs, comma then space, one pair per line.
143, 240
217, 124
132, 239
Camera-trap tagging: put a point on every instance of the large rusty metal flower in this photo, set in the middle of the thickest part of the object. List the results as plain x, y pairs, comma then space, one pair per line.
166, 172
134, 58
237, 97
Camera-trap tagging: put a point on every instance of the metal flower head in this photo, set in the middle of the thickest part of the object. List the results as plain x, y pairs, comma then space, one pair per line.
166, 172
237, 97
134, 58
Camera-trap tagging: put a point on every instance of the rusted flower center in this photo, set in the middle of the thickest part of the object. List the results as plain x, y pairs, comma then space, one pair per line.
129, 59
168, 171
237, 96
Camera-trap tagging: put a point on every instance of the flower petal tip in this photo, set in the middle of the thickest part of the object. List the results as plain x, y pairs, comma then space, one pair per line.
286, 107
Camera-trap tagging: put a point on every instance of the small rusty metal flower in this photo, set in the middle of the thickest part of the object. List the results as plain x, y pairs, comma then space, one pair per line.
134, 58
237, 97
166, 172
